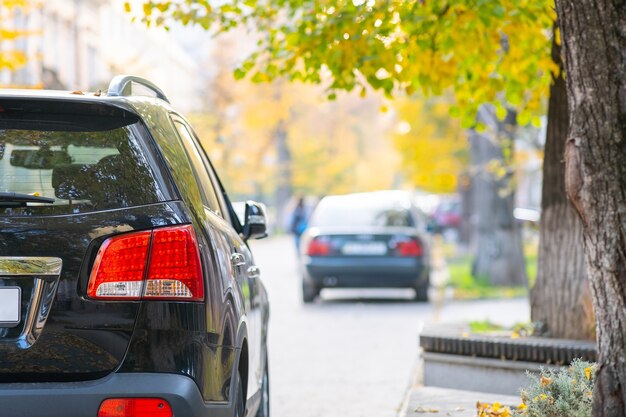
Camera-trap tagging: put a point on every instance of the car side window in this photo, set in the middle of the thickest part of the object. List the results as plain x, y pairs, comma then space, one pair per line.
222, 198
227, 210
207, 190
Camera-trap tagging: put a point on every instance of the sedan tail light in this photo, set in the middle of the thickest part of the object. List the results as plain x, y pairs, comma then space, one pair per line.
409, 247
135, 407
319, 247
162, 264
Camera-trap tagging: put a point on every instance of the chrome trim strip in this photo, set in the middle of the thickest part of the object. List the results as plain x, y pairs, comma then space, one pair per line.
31, 265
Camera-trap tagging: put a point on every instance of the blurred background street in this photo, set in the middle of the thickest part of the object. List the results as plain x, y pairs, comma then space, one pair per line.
354, 352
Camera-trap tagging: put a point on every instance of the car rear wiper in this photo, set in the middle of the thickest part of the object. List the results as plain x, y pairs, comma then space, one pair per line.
20, 200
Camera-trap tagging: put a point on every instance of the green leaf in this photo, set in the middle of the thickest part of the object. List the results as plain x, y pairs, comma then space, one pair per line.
500, 111
467, 122
239, 73
524, 117
536, 121
498, 11
147, 9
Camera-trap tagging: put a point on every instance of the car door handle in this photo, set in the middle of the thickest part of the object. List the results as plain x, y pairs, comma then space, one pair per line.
237, 259
254, 271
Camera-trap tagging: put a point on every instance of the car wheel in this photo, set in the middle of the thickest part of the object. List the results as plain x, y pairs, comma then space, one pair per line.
309, 292
421, 294
240, 403
264, 407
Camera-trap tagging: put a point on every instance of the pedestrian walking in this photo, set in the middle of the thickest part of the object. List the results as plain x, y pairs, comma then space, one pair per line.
298, 222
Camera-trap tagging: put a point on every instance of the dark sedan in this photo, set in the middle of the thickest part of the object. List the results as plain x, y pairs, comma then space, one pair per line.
365, 240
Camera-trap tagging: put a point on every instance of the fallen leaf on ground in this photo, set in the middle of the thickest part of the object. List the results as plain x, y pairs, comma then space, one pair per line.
426, 410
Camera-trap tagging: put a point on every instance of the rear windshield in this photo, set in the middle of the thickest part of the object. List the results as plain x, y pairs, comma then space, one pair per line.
343, 213
88, 165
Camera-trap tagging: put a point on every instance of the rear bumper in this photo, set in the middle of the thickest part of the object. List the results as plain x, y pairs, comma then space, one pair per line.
365, 272
78, 399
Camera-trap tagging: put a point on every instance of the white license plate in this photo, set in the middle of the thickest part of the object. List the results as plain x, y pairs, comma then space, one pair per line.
364, 248
10, 301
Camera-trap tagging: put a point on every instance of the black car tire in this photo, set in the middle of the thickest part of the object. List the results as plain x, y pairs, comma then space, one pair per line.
309, 292
240, 403
421, 294
264, 406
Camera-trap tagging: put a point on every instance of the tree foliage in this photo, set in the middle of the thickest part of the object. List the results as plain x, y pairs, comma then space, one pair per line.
10, 57
486, 51
433, 146
331, 157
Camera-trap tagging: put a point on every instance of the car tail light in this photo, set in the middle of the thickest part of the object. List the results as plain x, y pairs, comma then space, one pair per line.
318, 247
409, 247
120, 267
159, 264
175, 270
135, 407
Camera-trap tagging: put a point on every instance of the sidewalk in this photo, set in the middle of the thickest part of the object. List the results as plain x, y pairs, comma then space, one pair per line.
423, 401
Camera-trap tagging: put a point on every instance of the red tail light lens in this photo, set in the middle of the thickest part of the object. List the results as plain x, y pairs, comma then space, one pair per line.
318, 247
175, 270
135, 407
121, 270
409, 247
120, 267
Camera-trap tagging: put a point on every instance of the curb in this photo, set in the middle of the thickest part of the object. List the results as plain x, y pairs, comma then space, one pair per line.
414, 382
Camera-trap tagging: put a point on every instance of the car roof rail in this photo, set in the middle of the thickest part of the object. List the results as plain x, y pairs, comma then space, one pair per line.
123, 85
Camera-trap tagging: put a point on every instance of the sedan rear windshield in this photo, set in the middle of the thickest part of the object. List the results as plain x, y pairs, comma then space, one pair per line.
350, 215
84, 163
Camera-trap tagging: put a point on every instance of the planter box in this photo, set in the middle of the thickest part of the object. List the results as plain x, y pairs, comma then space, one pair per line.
493, 364
476, 374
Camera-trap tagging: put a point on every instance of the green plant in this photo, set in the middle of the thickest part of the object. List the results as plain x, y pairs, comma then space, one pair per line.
467, 286
563, 393
484, 326
522, 329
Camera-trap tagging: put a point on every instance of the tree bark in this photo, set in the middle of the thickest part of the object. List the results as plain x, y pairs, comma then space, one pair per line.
561, 283
594, 46
499, 256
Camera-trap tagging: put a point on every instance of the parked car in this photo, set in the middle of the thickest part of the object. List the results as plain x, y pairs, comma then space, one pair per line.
127, 287
448, 215
365, 240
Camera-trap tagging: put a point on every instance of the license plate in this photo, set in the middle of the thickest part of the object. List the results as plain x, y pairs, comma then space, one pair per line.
10, 302
364, 248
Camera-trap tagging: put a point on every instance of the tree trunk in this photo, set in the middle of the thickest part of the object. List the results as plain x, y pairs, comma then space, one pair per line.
594, 46
499, 255
284, 173
561, 283
467, 209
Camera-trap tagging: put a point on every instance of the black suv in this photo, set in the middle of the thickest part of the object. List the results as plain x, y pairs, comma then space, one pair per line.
127, 288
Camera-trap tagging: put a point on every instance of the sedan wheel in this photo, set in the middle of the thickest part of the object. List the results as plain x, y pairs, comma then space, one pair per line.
421, 294
309, 292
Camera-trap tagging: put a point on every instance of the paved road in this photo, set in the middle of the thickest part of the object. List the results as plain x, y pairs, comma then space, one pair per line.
353, 353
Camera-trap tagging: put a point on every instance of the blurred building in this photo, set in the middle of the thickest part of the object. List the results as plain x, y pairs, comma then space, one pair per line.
82, 44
